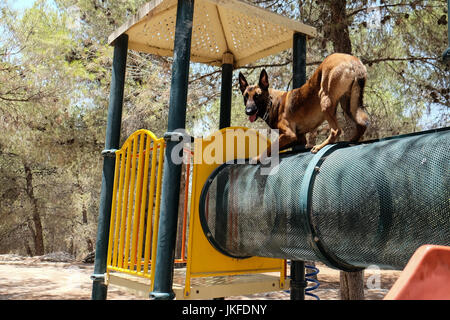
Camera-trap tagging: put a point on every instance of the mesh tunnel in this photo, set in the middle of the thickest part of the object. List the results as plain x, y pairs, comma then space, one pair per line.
347, 206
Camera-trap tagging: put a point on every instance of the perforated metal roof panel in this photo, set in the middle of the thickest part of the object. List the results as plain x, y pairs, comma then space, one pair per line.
247, 32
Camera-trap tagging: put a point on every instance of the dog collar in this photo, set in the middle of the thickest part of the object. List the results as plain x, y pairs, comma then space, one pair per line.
266, 115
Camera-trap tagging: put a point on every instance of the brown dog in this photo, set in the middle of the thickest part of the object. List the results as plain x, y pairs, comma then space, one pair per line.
339, 78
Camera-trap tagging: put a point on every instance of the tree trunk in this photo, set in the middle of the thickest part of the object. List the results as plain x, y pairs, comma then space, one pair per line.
339, 30
352, 285
84, 214
35, 224
27, 248
90, 245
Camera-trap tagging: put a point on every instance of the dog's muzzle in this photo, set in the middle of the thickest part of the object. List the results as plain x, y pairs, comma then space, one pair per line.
251, 110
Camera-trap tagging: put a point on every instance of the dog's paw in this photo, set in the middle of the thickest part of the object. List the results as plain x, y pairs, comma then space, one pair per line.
255, 160
315, 149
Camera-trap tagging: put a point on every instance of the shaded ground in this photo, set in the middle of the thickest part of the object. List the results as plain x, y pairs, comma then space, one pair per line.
25, 278
380, 281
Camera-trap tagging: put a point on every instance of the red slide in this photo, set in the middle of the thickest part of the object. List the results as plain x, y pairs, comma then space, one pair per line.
425, 277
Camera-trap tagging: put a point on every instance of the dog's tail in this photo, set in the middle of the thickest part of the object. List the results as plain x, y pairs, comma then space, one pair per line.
354, 108
356, 102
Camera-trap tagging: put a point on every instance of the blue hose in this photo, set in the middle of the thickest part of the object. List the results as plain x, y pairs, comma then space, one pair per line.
308, 278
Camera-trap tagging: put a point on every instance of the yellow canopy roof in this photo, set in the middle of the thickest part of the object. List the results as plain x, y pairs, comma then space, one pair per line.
247, 32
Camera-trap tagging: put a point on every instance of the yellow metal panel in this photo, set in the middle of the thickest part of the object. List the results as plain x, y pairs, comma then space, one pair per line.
137, 206
128, 210
202, 288
128, 156
203, 259
130, 201
231, 286
144, 199
136, 285
120, 154
148, 236
113, 210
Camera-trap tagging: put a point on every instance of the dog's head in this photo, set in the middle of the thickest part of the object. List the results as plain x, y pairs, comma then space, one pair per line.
256, 98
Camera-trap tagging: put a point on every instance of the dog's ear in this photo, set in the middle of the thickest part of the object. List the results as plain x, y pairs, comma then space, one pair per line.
263, 80
243, 84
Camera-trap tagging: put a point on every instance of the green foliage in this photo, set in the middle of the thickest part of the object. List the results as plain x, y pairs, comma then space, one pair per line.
43, 129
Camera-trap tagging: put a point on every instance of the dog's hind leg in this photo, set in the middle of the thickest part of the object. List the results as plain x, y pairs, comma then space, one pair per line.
324, 94
357, 113
345, 105
335, 131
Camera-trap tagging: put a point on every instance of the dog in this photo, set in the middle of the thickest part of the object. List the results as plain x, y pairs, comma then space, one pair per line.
339, 78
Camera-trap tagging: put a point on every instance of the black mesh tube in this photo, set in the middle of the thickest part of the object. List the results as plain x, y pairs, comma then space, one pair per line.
367, 204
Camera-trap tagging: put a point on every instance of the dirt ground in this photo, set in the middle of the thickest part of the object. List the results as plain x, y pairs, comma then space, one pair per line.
30, 278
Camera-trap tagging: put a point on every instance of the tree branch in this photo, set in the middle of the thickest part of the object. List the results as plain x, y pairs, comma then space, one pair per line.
314, 63
27, 99
282, 64
377, 60
385, 6
204, 76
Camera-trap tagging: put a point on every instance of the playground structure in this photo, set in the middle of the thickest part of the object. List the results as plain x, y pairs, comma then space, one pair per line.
141, 183
135, 218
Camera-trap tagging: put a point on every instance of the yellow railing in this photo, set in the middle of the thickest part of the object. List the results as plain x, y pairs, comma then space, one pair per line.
135, 204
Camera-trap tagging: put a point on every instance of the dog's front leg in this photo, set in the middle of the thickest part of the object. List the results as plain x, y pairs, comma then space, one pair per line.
284, 139
262, 156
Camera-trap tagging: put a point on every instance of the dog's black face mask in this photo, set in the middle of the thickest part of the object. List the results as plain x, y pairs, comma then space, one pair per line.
256, 97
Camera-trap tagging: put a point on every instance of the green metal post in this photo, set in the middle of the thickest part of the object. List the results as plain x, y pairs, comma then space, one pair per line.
299, 60
224, 121
99, 289
226, 91
172, 172
446, 55
298, 282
